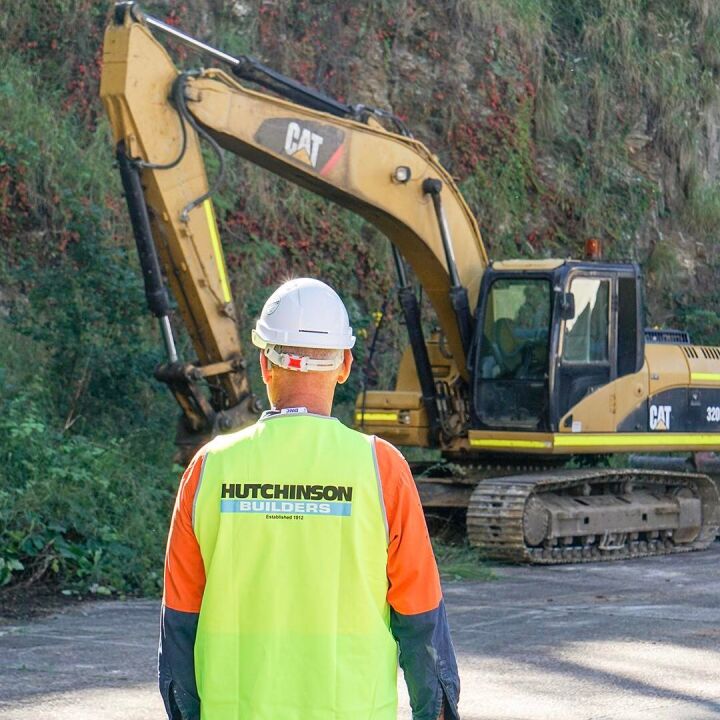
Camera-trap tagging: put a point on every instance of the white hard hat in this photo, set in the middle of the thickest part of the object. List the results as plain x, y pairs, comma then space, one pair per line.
304, 313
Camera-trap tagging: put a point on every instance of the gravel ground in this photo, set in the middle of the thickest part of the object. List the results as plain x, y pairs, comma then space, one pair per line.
629, 641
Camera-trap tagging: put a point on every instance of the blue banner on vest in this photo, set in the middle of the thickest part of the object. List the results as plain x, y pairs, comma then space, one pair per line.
282, 507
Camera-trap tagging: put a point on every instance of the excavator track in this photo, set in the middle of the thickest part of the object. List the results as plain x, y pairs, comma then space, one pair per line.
645, 513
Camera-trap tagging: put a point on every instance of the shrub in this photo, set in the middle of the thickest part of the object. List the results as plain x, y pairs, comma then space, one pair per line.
93, 515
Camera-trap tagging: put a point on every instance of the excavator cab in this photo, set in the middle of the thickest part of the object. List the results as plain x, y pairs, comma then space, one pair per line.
549, 333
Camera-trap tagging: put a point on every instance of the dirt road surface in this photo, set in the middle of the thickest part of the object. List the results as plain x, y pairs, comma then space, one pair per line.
637, 640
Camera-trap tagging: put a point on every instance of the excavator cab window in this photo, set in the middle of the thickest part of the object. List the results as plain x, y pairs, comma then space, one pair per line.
587, 351
631, 338
586, 334
512, 359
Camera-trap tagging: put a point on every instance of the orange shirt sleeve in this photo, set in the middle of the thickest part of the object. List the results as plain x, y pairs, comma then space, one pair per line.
184, 568
411, 568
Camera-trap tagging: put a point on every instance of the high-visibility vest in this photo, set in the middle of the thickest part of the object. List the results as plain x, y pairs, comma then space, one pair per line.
294, 623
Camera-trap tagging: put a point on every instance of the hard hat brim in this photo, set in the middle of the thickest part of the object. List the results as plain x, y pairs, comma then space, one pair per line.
318, 341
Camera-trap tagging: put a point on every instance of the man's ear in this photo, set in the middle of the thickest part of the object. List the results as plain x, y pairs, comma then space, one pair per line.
265, 368
344, 371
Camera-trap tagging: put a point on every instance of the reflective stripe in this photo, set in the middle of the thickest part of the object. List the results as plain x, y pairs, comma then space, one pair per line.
197, 490
493, 442
217, 250
704, 377
380, 492
655, 439
391, 416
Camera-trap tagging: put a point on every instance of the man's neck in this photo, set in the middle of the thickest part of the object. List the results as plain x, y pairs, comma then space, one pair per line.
313, 404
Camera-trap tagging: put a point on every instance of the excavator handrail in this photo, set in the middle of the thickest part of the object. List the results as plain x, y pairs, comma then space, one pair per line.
246, 67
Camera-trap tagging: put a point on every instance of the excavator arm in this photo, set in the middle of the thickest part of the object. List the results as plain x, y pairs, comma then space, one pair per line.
158, 116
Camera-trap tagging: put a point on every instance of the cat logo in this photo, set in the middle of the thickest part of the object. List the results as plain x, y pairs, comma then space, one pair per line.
660, 417
316, 146
302, 143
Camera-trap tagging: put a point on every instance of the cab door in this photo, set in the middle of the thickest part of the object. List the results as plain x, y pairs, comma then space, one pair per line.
511, 352
587, 353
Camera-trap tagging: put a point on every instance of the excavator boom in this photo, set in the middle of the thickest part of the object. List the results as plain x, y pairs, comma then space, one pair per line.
158, 116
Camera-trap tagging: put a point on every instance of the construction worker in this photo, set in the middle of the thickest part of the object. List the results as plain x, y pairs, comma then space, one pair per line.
299, 561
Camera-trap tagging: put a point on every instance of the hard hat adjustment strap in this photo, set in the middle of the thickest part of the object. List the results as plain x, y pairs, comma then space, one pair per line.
301, 363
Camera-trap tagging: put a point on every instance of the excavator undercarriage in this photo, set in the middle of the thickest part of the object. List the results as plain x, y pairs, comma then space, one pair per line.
545, 514
571, 516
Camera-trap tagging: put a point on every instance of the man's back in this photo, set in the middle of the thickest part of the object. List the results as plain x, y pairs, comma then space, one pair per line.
294, 620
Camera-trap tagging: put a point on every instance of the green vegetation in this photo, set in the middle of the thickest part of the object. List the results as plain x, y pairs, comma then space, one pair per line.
80, 503
459, 561
92, 513
561, 119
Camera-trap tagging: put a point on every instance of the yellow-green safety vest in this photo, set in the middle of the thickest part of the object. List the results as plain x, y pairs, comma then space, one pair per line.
294, 623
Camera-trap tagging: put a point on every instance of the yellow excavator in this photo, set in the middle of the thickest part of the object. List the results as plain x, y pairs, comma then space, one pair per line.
536, 363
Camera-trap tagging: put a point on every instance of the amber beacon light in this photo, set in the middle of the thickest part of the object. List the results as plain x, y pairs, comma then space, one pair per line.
593, 249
